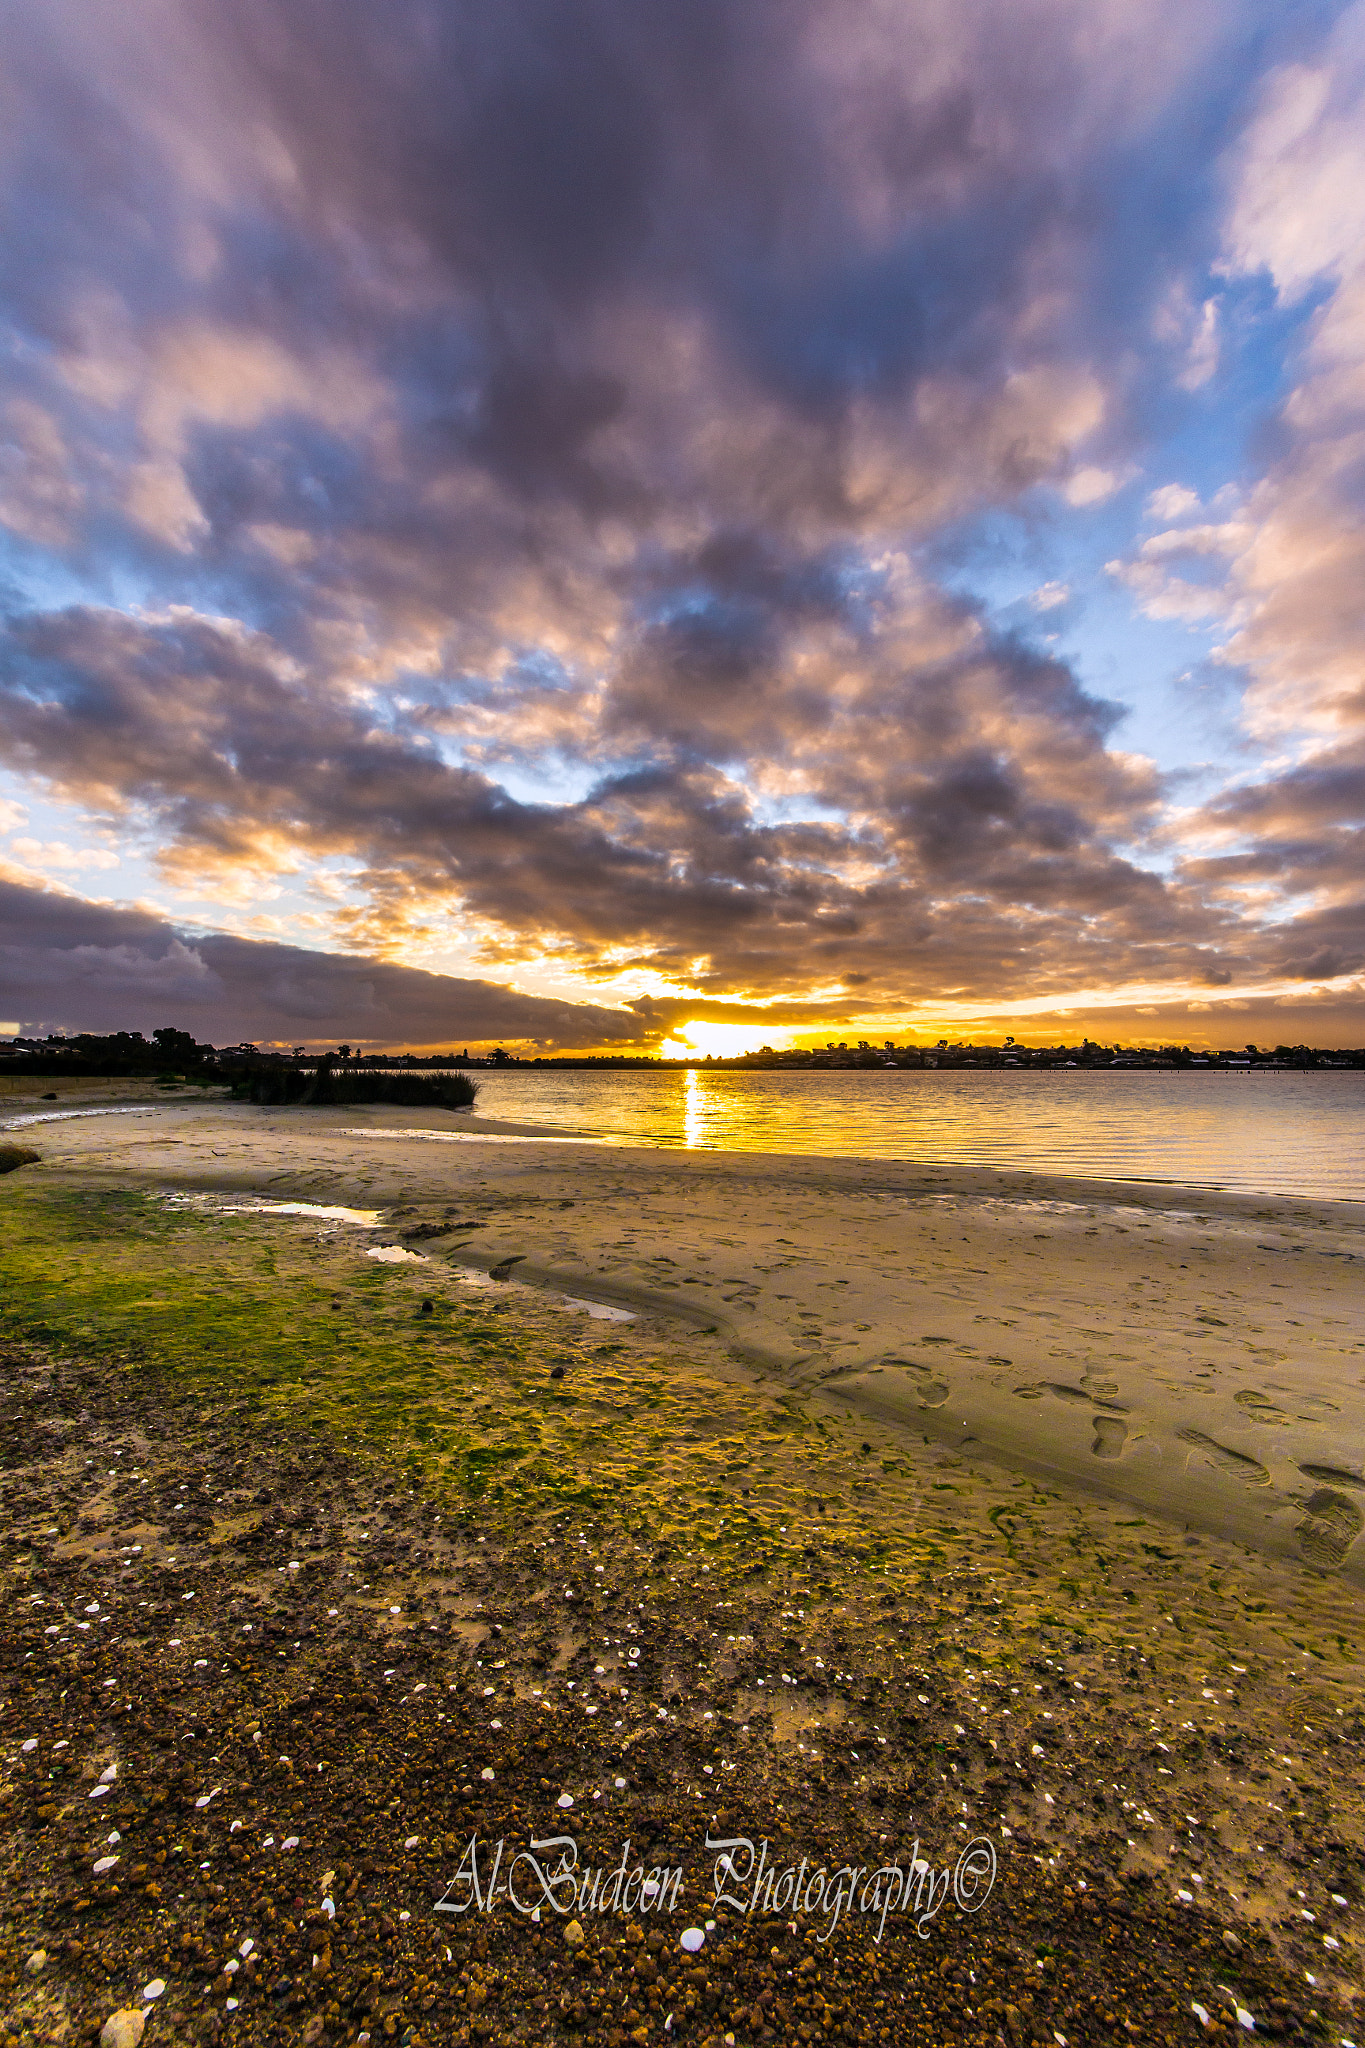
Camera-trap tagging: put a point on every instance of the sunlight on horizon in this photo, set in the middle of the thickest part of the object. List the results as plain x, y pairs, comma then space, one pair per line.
722, 1041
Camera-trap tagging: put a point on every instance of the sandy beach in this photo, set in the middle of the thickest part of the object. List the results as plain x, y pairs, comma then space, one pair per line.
1200, 1355
837, 1504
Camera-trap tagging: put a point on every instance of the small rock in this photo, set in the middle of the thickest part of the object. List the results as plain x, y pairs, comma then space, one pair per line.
573, 1935
691, 1939
37, 1962
123, 2029
314, 2029
155, 1988
1230, 1940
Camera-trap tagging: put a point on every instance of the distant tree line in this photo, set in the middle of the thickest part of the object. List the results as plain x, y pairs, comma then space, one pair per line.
170, 1055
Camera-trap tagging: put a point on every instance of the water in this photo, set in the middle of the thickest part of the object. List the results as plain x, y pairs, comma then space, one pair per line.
1263, 1133
65, 1116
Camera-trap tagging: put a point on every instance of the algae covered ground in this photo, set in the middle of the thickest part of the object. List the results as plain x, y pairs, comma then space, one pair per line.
326, 1566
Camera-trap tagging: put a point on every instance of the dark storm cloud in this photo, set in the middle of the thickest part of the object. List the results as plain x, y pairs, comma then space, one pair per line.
69, 965
437, 393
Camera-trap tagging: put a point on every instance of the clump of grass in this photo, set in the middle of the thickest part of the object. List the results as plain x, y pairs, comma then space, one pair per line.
12, 1156
278, 1086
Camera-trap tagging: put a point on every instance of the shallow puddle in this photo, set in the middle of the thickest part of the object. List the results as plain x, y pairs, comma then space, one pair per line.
600, 1311
327, 1212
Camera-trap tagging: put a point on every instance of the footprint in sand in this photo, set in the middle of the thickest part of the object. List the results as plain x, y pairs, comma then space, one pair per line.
1329, 1527
1332, 1475
931, 1392
1067, 1393
1110, 1436
1314, 1408
1260, 1407
1234, 1462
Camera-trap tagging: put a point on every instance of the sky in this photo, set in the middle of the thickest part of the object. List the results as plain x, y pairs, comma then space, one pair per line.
615, 525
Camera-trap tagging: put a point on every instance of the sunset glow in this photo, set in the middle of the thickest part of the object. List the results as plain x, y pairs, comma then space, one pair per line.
721, 1041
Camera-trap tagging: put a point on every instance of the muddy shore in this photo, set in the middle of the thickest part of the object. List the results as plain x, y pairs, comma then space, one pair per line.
300, 1559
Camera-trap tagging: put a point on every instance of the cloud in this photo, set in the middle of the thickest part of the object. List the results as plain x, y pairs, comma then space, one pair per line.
948, 762
424, 406
1283, 577
55, 853
70, 965
1091, 485
1171, 502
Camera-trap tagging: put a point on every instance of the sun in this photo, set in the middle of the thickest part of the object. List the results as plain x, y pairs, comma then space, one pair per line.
722, 1041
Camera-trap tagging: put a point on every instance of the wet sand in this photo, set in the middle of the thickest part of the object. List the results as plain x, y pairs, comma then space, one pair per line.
909, 1506
1199, 1356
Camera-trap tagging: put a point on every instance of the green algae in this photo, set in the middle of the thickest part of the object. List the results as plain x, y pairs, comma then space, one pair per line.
294, 1329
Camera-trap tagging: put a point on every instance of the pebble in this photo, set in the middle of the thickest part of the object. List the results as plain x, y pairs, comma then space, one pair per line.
155, 1988
565, 1800
1230, 1940
36, 1962
123, 2029
573, 1935
29, 1746
105, 1863
691, 1939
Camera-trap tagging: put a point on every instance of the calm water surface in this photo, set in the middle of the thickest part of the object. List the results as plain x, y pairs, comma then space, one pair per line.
1272, 1133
